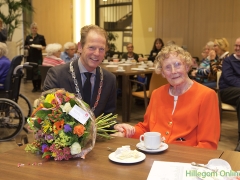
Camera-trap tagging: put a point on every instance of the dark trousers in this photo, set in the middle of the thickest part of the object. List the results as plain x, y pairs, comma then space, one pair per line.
231, 96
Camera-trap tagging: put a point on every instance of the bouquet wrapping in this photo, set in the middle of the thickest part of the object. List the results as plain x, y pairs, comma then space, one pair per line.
63, 125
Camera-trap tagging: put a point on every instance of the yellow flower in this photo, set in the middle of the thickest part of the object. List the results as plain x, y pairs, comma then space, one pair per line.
49, 98
46, 125
54, 154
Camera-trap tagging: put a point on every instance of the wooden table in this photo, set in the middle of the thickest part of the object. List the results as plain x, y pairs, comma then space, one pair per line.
126, 85
233, 158
96, 165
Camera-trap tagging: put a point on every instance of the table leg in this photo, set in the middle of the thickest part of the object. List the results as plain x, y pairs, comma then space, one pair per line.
125, 99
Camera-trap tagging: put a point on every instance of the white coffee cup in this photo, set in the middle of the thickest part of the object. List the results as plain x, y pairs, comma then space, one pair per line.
105, 60
152, 140
120, 68
150, 63
123, 60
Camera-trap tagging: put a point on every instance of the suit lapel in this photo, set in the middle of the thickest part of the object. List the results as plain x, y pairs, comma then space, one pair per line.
96, 87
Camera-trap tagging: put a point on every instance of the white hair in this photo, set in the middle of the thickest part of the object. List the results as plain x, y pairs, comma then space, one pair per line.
67, 45
53, 48
3, 49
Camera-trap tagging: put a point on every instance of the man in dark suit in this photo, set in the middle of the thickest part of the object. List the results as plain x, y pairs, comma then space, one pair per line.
72, 76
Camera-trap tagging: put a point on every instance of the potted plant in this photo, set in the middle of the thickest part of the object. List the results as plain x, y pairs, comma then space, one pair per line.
13, 18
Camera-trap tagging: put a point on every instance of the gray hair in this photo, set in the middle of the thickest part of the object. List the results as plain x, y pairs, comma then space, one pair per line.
33, 25
67, 45
172, 50
3, 49
53, 48
210, 44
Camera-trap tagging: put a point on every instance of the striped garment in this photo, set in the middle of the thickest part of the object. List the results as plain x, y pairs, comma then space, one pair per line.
52, 61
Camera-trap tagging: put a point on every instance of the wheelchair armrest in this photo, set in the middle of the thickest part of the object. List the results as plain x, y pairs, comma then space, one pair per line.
137, 82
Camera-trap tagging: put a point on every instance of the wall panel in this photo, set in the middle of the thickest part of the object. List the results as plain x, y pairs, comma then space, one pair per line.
195, 22
54, 19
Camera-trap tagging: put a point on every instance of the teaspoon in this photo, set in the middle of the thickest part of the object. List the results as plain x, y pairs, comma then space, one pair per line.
203, 166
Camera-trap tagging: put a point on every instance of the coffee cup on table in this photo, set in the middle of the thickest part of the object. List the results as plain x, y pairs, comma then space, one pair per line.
120, 68
151, 140
105, 60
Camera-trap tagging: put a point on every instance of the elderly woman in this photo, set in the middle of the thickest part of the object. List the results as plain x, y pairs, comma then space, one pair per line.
221, 49
53, 55
4, 64
35, 43
69, 53
183, 111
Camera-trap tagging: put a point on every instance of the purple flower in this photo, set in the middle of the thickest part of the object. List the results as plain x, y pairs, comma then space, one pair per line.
44, 146
67, 128
48, 137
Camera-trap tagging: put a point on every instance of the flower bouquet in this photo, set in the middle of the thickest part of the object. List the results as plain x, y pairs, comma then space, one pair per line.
64, 126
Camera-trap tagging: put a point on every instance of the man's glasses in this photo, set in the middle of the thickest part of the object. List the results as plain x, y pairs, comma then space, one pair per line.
237, 46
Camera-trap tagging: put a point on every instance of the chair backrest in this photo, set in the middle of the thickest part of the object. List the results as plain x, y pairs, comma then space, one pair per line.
17, 60
43, 72
156, 81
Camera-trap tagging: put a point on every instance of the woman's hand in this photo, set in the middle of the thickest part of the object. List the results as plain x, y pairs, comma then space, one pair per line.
126, 130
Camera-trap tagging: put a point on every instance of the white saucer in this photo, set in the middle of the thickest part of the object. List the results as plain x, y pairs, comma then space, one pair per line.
113, 157
120, 70
163, 147
137, 69
105, 62
152, 68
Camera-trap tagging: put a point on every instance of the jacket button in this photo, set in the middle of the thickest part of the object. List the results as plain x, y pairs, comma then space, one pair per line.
167, 133
170, 123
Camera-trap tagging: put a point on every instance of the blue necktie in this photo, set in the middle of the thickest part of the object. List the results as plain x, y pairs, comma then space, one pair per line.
87, 88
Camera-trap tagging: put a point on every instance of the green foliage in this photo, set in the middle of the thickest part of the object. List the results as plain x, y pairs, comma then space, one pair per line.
111, 39
43, 113
14, 14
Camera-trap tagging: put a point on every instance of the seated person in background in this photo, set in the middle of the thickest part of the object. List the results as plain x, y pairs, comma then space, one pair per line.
4, 64
157, 46
229, 83
69, 52
201, 74
218, 54
171, 42
53, 55
130, 55
175, 110
3, 32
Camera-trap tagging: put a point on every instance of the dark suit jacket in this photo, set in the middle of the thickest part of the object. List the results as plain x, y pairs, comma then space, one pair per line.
60, 77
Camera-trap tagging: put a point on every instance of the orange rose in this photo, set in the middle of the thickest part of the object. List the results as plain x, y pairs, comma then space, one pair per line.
79, 130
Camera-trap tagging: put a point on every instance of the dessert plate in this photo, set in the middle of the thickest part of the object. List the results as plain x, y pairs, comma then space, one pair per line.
138, 69
141, 147
113, 157
120, 70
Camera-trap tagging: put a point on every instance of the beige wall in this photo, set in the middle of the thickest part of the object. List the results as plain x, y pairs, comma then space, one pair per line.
143, 19
194, 22
54, 19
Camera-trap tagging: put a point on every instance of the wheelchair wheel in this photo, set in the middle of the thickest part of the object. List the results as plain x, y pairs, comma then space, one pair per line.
11, 119
25, 106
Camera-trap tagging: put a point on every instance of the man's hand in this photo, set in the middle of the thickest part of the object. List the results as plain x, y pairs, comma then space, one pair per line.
126, 129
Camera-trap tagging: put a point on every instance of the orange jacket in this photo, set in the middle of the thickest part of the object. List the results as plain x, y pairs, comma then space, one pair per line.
195, 119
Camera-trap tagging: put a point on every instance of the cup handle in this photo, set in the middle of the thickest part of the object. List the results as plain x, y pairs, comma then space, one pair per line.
141, 138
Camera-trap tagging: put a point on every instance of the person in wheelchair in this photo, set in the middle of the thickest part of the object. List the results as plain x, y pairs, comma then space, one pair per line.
4, 64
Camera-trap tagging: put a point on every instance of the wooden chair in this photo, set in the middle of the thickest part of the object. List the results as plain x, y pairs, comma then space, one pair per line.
43, 72
156, 81
223, 106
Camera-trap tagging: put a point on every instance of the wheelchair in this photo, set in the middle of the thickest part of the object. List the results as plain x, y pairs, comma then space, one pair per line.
12, 119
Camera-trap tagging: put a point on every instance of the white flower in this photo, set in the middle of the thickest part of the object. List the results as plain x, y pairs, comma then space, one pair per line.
66, 107
75, 148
